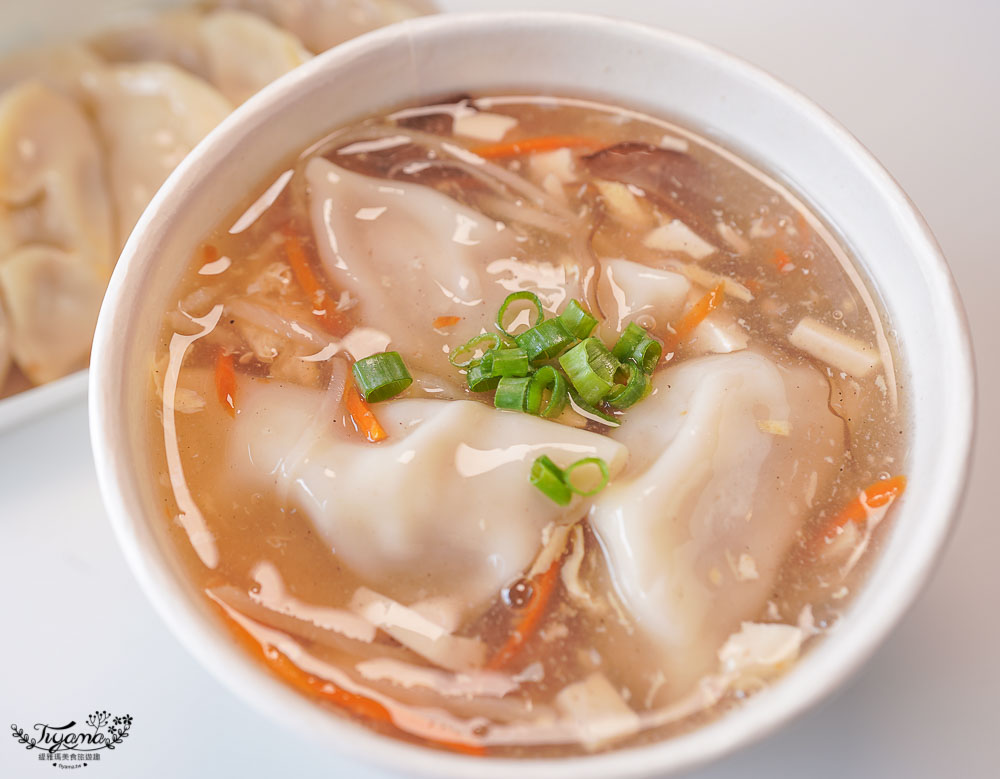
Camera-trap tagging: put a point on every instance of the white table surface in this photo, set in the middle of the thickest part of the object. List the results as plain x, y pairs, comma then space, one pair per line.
917, 82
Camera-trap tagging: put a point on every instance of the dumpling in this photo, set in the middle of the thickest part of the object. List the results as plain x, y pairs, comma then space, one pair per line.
322, 24
461, 515
66, 68
396, 246
52, 299
5, 356
151, 115
238, 53
631, 292
697, 529
52, 186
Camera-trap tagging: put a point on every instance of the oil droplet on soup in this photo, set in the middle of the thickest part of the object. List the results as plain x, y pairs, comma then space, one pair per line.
525, 425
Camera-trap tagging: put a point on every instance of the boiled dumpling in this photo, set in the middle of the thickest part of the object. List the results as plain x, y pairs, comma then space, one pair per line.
52, 299
630, 292
443, 506
151, 115
5, 356
238, 53
52, 187
67, 68
322, 24
412, 254
696, 532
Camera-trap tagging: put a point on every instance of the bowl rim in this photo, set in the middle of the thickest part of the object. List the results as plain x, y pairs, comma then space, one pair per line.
249, 679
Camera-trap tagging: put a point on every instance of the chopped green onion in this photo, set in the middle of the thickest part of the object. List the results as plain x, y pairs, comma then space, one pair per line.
636, 343
512, 393
545, 340
510, 362
633, 390
471, 345
548, 477
577, 320
602, 466
587, 411
381, 376
480, 376
513, 297
547, 378
591, 368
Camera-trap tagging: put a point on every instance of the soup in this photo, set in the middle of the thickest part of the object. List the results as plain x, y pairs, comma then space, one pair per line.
525, 425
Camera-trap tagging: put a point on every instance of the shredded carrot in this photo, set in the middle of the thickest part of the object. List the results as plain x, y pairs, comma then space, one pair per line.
533, 145
225, 381
780, 261
446, 321
303, 681
324, 307
694, 316
881, 493
364, 419
545, 585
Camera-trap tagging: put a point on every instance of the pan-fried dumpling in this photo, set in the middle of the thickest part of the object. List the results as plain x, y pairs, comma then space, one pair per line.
322, 24
52, 187
696, 536
411, 254
66, 68
238, 53
460, 516
52, 299
151, 115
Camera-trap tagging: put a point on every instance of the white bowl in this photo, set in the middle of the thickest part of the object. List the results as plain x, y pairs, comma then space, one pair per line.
574, 55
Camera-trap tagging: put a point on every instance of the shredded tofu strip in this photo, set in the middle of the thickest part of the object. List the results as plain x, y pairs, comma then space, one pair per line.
841, 351
705, 278
597, 711
483, 126
675, 236
571, 569
622, 202
414, 631
554, 539
761, 648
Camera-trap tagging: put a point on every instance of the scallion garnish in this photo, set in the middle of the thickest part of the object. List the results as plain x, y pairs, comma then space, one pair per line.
639, 345
512, 393
480, 376
634, 388
471, 346
510, 362
546, 378
558, 484
601, 465
577, 320
591, 369
381, 376
587, 411
512, 298
545, 340
548, 477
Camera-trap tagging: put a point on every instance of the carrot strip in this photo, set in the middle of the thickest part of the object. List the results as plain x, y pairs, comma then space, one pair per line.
225, 381
325, 310
694, 316
364, 420
881, 493
533, 145
544, 587
446, 321
780, 261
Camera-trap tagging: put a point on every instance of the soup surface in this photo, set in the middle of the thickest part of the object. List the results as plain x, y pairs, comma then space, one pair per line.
525, 425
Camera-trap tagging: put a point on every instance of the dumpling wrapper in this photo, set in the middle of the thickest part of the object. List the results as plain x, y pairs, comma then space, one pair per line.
52, 300
444, 506
628, 291
705, 486
65, 68
322, 24
151, 115
52, 185
238, 53
411, 254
